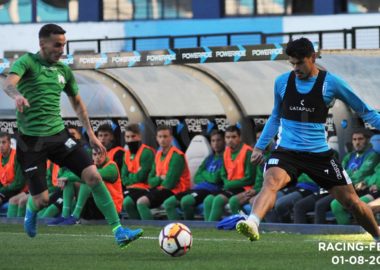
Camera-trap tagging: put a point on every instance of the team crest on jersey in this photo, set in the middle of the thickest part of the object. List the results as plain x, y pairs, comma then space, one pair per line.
70, 143
61, 79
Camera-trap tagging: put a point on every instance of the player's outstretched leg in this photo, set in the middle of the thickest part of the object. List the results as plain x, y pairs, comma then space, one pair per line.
249, 229
125, 236
30, 223
103, 200
275, 178
30, 220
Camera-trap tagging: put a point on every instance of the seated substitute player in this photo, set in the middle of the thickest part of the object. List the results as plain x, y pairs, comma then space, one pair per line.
106, 136
302, 100
170, 174
35, 82
238, 174
138, 161
368, 190
12, 180
207, 181
359, 164
237, 202
85, 204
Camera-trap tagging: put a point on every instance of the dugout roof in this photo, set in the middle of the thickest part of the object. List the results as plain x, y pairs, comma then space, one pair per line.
361, 72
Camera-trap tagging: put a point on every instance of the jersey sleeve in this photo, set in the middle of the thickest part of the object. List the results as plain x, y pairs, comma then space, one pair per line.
21, 65
271, 127
71, 87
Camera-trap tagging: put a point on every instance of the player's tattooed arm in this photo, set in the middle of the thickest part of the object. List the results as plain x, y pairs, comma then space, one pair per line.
10, 88
81, 111
11, 91
10, 85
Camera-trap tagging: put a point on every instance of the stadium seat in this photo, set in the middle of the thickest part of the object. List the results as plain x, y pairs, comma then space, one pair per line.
198, 149
375, 141
333, 143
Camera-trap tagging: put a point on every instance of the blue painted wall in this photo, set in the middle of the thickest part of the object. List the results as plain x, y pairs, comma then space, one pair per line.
199, 27
205, 26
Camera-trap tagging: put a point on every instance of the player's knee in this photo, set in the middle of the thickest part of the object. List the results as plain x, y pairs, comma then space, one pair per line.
272, 184
93, 179
91, 176
170, 203
208, 200
219, 200
187, 201
350, 204
142, 201
13, 200
336, 206
298, 207
128, 201
233, 200
42, 202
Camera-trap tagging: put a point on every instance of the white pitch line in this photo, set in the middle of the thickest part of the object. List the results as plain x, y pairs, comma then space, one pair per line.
156, 238
111, 236
195, 238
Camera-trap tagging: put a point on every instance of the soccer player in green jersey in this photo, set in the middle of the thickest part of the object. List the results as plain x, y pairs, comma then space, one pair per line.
36, 82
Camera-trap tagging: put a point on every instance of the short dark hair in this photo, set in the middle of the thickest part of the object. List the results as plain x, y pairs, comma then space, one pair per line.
164, 127
300, 48
134, 128
233, 128
5, 134
217, 132
366, 133
105, 128
70, 126
49, 29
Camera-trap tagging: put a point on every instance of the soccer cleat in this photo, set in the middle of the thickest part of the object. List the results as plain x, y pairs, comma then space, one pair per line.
69, 221
55, 221
125, 236
249, 229
30, 223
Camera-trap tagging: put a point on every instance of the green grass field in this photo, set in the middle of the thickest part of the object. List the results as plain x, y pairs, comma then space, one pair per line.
92, 247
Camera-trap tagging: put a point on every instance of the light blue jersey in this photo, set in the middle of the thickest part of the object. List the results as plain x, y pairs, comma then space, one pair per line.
311, 137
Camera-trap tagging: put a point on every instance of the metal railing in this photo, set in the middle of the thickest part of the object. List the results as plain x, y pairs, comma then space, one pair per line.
362, 37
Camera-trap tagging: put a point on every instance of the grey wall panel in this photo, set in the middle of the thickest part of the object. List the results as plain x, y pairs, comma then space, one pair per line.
361, 72
252, 82
96, 94
166, 91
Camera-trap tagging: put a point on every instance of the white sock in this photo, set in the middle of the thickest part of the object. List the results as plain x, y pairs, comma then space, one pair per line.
254, 218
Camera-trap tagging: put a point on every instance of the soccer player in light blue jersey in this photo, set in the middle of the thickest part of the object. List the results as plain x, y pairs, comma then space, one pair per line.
301, 103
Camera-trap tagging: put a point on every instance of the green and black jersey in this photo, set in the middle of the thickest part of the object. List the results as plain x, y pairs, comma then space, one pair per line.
42, 84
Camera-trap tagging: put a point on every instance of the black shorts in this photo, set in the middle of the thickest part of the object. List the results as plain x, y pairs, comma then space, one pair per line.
33, 151
158, 196
199, 195
135, 193
323, 167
